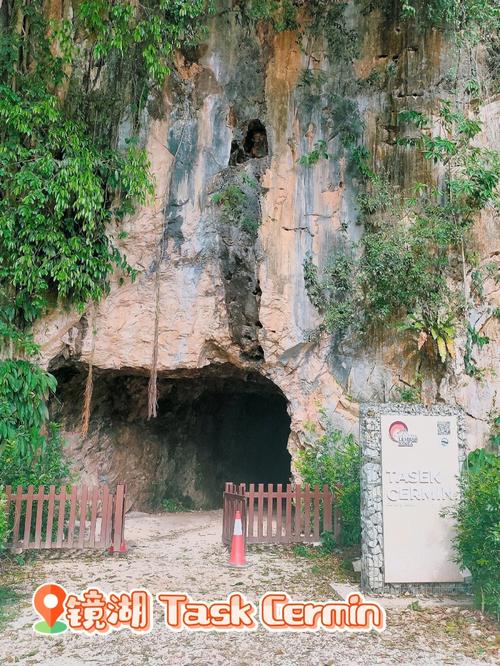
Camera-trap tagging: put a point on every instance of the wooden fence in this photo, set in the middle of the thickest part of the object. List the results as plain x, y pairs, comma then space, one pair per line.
233, 501
77, 517
277, 514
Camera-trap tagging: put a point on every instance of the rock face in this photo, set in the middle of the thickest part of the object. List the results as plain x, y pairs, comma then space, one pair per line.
224, 281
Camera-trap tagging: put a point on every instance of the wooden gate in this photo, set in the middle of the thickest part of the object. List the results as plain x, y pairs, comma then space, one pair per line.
234, 500
77, 517
294, 514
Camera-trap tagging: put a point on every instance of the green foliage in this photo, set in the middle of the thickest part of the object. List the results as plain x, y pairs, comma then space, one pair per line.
478, 527
437, 326
239, 204
9, 600
340, 119
478, 277
495, 433
410, 394
318, 152
328, 543
64, 181
335, 459
173, 506
282, 14
401, 273
24, 389
4, 526
327, 22
30, 445
333, 291
474, 339
58, 194
47, 467
473, 172
150, 30
471, 19
300, 550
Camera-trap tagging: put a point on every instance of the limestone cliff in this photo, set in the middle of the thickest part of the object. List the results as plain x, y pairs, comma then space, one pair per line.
230, 300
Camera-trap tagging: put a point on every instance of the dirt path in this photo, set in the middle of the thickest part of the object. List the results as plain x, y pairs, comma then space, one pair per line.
182, 552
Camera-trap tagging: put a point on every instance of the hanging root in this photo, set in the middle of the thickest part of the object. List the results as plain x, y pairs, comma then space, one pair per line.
89, 385
153, 374
87, 401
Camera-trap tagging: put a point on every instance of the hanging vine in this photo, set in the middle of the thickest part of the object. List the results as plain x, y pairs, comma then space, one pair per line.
66, 85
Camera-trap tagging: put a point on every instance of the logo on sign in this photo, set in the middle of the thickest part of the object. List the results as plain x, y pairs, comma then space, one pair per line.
398, 432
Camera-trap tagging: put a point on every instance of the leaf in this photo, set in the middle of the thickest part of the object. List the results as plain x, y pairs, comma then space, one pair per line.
442, 349
450, 345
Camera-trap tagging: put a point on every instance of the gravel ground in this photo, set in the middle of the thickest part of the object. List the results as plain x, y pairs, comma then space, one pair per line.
172, 552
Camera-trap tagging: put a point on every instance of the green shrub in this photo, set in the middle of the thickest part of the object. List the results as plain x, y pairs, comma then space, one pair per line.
43, 469
30, 445
332, 291
478, 527
399, 276
318, 152
334, 459
239, 204
4, 528
171, 505
328, 544
281, 14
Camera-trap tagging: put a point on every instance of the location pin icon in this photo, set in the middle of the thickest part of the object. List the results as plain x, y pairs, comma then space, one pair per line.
48, 603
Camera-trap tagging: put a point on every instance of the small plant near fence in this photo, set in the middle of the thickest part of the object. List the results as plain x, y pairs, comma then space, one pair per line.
478, 527
4, 526
334, 459
172, 505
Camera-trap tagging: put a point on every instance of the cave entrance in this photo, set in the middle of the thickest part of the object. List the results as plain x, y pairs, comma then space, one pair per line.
254, 144
214, 425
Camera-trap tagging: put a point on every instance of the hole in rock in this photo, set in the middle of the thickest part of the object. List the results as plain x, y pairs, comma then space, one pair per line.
255, 142
214, 425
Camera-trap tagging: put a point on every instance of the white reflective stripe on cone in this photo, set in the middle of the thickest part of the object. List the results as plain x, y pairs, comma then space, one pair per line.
238, 528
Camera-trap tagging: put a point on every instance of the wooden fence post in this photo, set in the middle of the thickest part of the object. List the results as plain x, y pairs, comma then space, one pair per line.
27, 522
60, 517
40, 497
327, 509
118, 519
50, 516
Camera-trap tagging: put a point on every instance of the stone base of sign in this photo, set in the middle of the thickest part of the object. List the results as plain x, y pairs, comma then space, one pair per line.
372, 540
438, 589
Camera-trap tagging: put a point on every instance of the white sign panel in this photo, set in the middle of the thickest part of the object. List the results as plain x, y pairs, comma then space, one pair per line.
420, 467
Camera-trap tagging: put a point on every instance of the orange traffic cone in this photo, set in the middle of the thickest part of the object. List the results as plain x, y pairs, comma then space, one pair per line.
237, 558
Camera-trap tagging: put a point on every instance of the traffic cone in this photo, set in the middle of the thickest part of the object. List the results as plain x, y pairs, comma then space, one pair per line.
237, 558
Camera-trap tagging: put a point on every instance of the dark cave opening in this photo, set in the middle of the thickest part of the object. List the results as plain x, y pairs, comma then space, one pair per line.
254, 144
214, 425
255, 141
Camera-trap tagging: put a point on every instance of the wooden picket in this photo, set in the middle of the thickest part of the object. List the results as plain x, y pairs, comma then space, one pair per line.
79, 518
296, 514
233, 501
